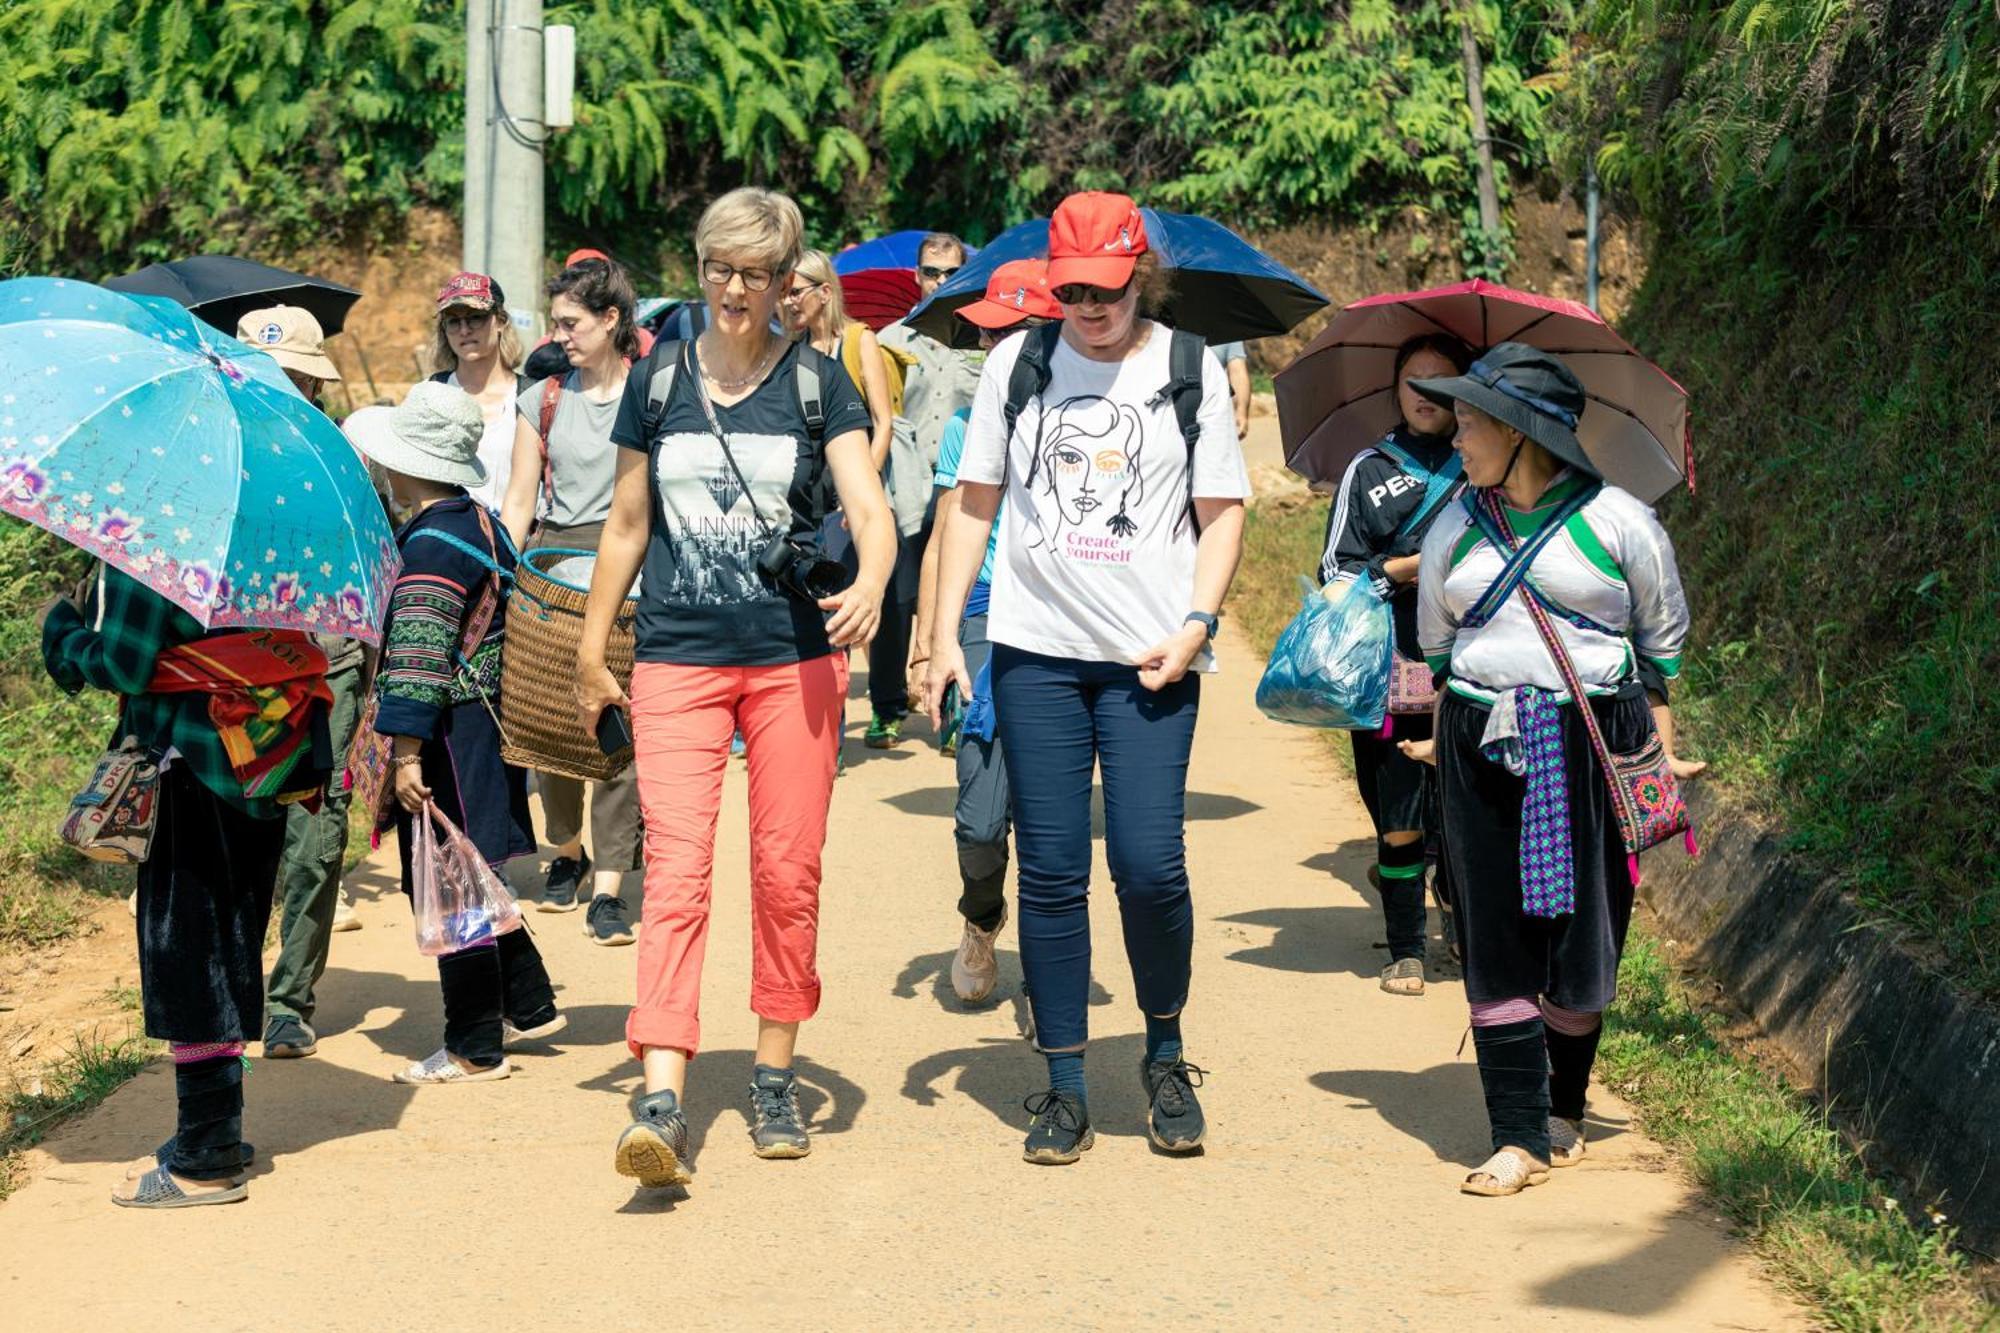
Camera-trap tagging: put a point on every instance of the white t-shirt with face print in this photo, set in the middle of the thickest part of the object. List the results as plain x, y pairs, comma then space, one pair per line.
1096, 556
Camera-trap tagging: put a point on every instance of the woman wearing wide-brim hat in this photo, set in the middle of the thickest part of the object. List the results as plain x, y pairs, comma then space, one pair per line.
1540, 872
442, 707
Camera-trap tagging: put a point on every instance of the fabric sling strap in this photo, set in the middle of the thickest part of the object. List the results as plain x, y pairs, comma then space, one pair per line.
1645, 795
1519, 558
1030, 378
1438, 485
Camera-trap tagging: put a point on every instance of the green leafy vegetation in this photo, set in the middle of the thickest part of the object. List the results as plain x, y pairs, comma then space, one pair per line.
132, 131
47, 741
1819, 180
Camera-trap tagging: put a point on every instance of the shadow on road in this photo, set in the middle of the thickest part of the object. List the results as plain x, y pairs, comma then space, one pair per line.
938, 803
1316, 940
999, 1073
718, 1094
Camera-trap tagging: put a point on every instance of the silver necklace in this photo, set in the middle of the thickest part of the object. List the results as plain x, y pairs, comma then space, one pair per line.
733, 386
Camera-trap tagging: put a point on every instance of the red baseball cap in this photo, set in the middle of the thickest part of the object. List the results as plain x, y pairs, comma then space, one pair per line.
578, 256
1018, 290
474, 291
1095, 237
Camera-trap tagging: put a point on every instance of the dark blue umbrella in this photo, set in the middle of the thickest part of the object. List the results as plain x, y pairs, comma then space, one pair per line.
1222, 287
221, 289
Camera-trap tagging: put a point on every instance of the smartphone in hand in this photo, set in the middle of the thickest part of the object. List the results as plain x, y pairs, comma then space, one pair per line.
614, 732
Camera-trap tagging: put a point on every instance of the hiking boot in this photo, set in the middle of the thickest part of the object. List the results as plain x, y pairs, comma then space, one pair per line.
883, 732
343, 914
288, 1038
974, 970
653, 1150
776, 1127
1061, 1132
565, 879
606, 922
1175, 1123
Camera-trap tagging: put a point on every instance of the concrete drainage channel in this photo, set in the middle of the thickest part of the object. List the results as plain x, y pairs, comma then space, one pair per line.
1907, 1064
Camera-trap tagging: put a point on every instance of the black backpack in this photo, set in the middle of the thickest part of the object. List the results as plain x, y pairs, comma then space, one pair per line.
1031, 377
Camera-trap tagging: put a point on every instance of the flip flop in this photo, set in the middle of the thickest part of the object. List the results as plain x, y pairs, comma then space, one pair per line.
158, 1189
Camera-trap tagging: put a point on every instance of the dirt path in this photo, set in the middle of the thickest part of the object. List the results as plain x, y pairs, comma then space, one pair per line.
1341, 1121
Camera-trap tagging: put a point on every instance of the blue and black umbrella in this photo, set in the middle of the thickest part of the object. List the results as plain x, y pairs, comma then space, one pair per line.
1222, 287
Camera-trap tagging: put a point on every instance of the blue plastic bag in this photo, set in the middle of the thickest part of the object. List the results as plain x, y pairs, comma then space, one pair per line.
1330, 667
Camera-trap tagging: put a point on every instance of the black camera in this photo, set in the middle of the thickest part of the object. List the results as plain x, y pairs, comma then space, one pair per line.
800, 569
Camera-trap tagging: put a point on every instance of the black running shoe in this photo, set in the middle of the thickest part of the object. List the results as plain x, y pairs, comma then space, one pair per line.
606, 922
1176, 1123
1061, 1132
654, 1148
776, 1127
565, 879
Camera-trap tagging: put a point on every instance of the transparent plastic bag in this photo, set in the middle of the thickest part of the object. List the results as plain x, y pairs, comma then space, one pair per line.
1330, 666
459, 901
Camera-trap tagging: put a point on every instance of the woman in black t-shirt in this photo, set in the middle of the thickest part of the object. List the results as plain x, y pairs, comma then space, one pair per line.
726, 444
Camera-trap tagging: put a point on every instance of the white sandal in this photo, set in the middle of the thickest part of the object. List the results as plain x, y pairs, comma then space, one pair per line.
439, 1067
1508, 1171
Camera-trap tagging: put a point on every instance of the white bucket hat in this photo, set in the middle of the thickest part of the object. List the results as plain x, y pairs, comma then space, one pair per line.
433, 435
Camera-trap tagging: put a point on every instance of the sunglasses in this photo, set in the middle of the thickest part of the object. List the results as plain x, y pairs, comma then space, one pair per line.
1083, 293
716, 273
797, 294
932, 273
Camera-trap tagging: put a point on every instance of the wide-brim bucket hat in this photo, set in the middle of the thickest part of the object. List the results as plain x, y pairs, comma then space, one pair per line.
1526, 388
433, 435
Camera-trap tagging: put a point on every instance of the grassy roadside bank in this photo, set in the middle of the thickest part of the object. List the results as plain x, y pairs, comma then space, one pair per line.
1765, 1154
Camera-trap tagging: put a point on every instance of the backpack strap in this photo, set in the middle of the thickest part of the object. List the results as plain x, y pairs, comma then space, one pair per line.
809, 379
1183, 389
551, 398
1027, 381
1439, 486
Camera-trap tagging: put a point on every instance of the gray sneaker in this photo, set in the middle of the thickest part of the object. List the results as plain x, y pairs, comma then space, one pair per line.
776, 1127
565, 879
606, 922
288, 1038
653, 1150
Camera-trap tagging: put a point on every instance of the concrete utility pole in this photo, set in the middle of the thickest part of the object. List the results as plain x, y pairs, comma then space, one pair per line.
503, 151
1475, 96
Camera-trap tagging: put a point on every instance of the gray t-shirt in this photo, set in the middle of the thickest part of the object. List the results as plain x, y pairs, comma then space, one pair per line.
582, 459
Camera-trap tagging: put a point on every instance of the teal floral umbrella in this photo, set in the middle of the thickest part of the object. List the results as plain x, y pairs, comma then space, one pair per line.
187, 460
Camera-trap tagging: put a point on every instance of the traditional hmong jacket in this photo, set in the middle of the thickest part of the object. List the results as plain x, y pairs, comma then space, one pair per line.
421, 675
1612, 568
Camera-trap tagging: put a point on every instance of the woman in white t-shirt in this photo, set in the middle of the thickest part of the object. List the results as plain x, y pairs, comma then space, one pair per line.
475, 347
1118, 544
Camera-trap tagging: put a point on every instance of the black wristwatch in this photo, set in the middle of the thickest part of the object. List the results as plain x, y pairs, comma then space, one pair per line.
1206, 621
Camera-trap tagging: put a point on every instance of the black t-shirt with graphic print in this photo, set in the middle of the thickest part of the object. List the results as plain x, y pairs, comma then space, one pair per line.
702, 600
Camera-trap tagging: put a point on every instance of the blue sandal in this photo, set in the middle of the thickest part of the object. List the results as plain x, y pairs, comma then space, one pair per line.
158, 1189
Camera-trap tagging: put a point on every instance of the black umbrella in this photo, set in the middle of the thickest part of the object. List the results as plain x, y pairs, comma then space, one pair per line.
221, 289
1222, 287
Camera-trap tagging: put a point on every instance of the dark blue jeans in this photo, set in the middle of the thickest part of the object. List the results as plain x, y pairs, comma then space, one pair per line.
1058, 720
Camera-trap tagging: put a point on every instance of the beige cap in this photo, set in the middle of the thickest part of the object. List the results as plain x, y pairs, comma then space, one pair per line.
293, 338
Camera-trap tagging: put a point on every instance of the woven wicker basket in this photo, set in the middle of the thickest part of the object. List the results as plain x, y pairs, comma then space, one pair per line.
538, 672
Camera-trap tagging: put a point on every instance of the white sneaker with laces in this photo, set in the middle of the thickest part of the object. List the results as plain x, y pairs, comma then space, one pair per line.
974, 970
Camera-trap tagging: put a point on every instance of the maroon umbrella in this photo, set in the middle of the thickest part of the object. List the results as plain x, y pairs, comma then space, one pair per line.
878, 297
1339, 396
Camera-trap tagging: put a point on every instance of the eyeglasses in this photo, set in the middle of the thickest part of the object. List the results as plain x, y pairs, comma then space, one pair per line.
932, 273
717, 274
797, 294
1083, 293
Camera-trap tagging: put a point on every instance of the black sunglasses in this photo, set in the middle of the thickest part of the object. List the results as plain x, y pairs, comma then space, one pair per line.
932, 273
1080, 293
